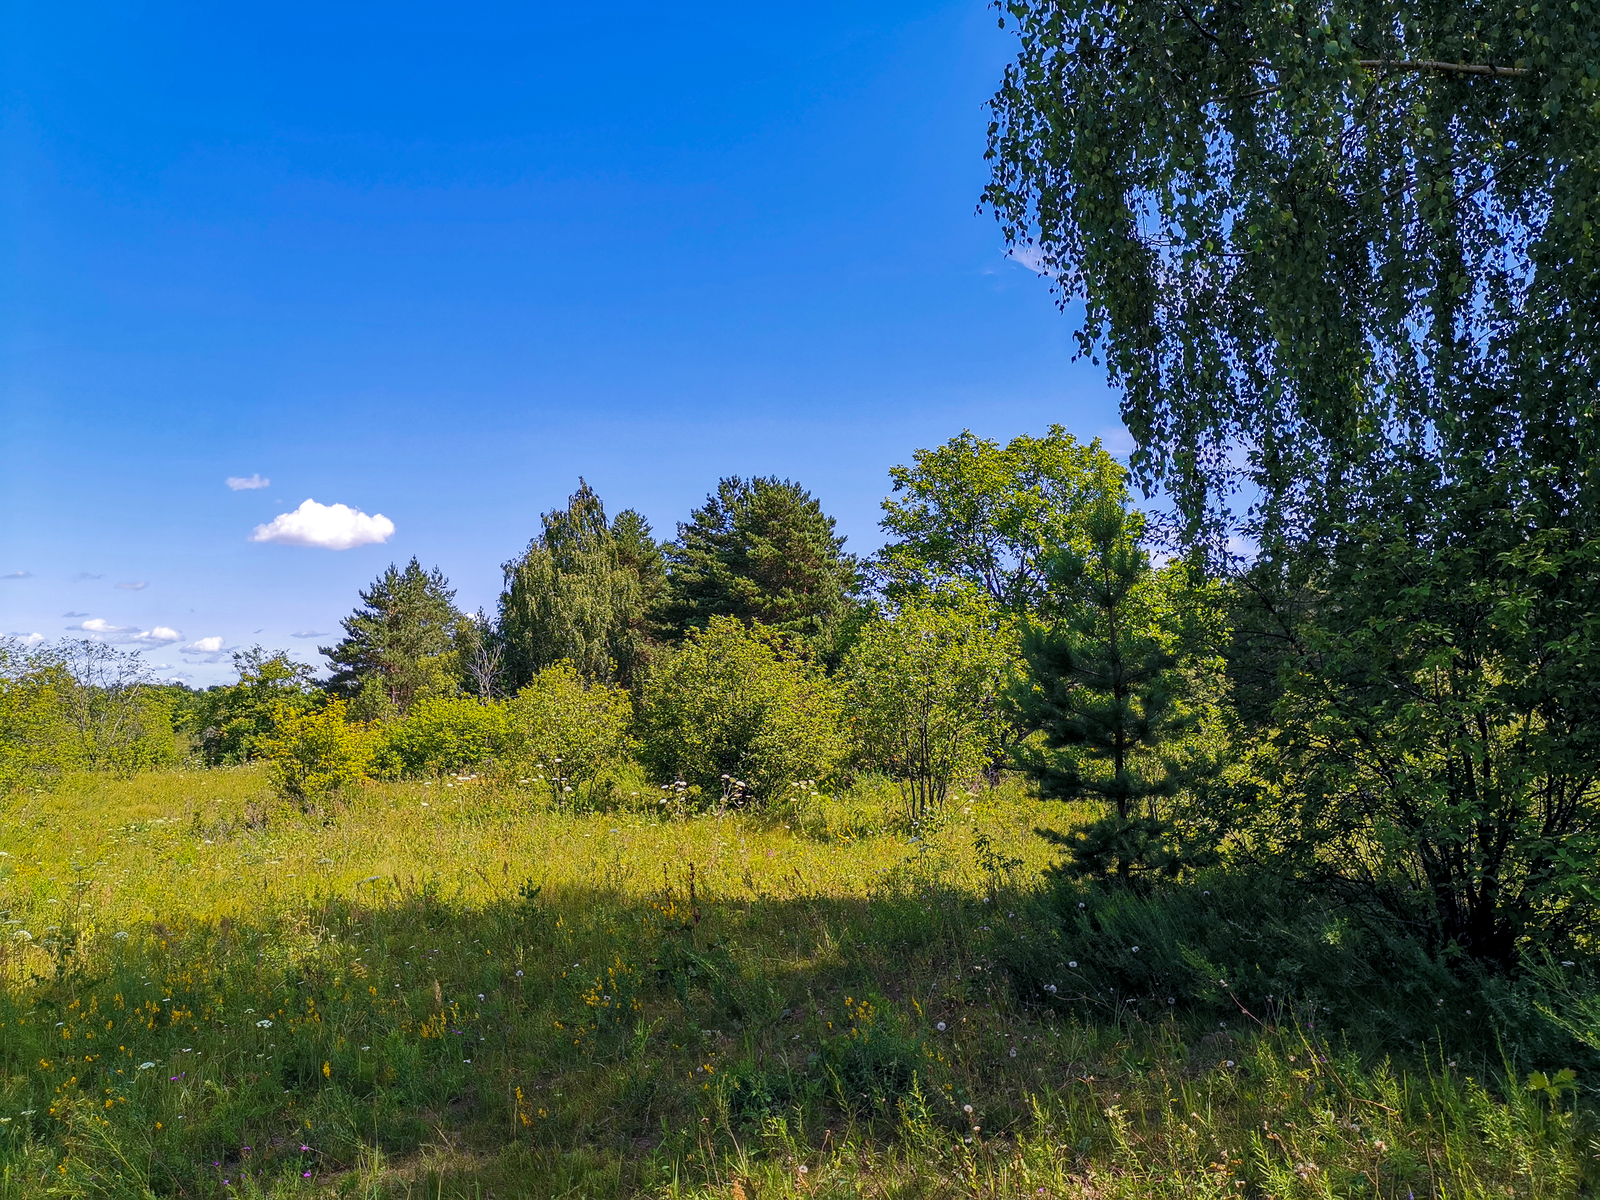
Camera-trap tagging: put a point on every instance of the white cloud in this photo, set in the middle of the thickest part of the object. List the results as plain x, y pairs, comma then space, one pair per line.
127, 635
101, 625
1032, 257
306, 633
134, 587
28, 639
18, 575
328, 526
83, 575
208, 650
248, 483
71, 615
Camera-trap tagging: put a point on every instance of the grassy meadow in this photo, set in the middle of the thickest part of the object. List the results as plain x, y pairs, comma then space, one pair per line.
451, 990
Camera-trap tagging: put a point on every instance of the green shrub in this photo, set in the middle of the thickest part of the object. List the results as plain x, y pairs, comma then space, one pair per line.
234, 722
924, 691
567, 733
34, 736
80, 705
1245, 946
444, 734
317, 753
735, 714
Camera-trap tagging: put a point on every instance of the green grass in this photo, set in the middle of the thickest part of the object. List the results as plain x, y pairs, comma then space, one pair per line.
450, 990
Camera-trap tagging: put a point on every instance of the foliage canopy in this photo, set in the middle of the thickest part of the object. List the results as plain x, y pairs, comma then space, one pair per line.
581, 593
761, 551
1333, 236
974, 513
399, 644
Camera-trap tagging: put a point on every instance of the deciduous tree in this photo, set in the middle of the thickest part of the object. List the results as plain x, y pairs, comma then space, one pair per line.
924, 691
988, 516
581, 593
1347, 254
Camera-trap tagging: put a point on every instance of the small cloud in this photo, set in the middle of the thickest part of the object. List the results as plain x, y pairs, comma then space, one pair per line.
27, 639
127, 635
1032, 257
326, 526
305, 633
102, 626
83, 575
134, 587
208, 650
72, 616
243, 483
18, 575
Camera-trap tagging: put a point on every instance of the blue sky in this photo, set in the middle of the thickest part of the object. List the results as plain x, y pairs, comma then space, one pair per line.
435, 262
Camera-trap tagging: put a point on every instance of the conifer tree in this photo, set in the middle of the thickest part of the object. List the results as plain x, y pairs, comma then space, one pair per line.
763, 552
396, 644
1102, 687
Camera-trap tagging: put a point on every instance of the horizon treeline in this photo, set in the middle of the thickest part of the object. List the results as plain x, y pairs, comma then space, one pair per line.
748, 654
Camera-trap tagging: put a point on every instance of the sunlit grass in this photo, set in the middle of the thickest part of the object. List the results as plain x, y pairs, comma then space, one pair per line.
449, 989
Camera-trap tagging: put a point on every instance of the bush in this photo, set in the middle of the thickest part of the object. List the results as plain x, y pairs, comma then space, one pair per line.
924, 691
734, 705
1244, 946
234, 722
317, 753
34, 736
444, 734
568, 733
80, 705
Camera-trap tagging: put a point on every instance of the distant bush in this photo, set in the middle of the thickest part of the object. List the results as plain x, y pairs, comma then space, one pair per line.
317, 753
444, 734
567, 732
734, 704
924, 691
233, 722
34, 736
79, 706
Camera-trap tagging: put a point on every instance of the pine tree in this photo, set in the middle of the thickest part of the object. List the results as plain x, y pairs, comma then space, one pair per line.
581, 593
763, 552
1103, 689
397, 645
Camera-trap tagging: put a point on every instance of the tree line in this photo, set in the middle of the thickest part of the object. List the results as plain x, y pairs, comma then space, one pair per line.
751, 654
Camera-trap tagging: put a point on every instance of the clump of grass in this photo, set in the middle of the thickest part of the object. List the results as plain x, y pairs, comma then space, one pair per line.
449, 989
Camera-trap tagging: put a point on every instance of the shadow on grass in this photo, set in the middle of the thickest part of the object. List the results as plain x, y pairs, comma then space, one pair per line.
603, 1043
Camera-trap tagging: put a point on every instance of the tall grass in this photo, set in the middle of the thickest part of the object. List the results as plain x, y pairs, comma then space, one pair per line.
451, 990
